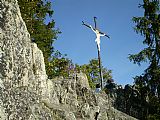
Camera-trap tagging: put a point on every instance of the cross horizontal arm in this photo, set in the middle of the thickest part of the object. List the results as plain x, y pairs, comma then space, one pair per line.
94, 29
85, 24
104, 34
107, 36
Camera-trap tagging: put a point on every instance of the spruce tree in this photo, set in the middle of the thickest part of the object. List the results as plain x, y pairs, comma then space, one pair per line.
149, 82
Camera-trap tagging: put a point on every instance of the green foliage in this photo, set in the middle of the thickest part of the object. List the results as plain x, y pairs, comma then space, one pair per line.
106, 74
141, 56
149, 27
110, 87
93, 69
91, 84
148, 83
92, 72
154, 117
34, 13
60, 66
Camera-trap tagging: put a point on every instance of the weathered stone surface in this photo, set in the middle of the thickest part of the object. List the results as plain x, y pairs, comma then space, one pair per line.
25, 91
79, 102
22, 71
21, 62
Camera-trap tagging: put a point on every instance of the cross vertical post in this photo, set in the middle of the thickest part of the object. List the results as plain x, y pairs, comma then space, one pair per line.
99, 59
95, 23
100, 68
98, 35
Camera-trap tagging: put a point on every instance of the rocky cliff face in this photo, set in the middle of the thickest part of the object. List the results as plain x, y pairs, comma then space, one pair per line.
25, 91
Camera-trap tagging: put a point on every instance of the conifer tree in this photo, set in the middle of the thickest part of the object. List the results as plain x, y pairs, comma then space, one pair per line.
148, 83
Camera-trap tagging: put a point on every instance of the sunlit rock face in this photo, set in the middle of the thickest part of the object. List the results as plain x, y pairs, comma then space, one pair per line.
25, 91
21, 62
22, 69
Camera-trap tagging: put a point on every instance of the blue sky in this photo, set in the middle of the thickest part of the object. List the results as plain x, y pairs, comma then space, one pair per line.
114, 17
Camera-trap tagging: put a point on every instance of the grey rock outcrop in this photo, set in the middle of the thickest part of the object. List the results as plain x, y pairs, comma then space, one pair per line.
25, 91
22, 69
76, 102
